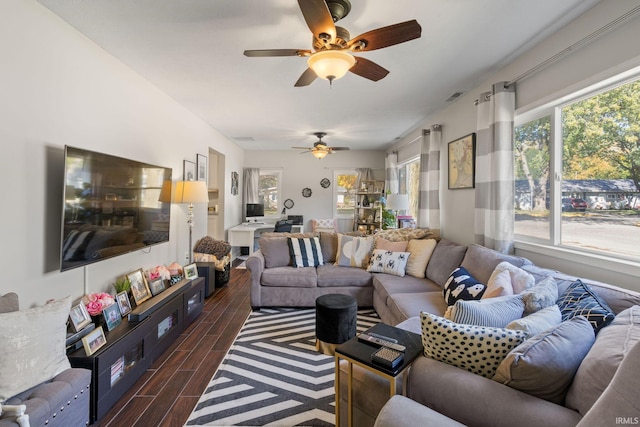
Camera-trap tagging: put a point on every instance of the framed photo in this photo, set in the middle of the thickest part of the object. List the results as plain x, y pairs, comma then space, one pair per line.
234, 183
189, 170
190, 271
112, 316
462, 162
79, 317
407, 223
139, 288
93, 341
157, 286
123, 303
201, 167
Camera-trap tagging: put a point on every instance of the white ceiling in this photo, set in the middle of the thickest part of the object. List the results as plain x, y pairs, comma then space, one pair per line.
193, 51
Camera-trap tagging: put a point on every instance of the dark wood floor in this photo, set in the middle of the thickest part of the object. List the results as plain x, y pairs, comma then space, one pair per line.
167, 393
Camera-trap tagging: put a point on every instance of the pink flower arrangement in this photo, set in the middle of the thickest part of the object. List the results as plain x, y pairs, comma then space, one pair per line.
96, 302
159, 272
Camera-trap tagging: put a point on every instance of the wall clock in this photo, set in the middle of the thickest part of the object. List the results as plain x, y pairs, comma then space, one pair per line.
288, 203
306, 192
325, 183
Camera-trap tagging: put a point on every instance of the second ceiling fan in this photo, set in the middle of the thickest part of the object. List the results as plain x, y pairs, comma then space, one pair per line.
332, 55
320, 148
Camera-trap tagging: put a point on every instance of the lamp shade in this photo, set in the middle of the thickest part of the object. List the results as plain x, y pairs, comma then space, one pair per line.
398, 202
331, 64
191, 192
165, 191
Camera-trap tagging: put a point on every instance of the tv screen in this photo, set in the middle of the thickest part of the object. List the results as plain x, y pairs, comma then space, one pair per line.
112, 206
255, 209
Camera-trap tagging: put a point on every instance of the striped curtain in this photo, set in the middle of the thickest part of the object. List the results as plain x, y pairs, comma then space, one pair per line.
494, 191
429, 203
391, 173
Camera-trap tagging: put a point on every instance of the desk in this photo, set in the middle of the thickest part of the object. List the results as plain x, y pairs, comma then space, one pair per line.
245, 234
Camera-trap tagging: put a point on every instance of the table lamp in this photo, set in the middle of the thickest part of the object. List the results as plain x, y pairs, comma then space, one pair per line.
191, 192
397, 202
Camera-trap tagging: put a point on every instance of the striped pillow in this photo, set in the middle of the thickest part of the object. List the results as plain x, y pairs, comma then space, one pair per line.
493, 312
305, 252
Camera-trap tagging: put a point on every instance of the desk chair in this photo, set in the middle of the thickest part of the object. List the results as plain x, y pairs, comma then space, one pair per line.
283, 226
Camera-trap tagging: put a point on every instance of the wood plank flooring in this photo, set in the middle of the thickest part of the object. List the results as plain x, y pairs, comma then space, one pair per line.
167, 393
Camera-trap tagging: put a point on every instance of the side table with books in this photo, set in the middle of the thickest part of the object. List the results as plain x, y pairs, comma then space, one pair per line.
376, 358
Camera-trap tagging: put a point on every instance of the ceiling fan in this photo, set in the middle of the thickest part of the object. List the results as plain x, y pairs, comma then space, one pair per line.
320, 148
332, 56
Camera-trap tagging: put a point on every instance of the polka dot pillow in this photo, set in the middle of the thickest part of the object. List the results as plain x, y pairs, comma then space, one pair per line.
477, 349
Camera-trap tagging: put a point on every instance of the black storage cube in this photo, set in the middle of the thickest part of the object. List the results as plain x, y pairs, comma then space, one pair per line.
222, 277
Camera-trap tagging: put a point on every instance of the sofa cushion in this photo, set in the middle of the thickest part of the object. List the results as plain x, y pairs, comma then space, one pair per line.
330, 275
545, 364
539, 321
353, 251
275, 251
462, 286
477, 349
602, 361
421, 251
481, 261
542, 295
305, 252
385, 285
580, 300
25, 335
494, 312
329, 245
404, 306
445, 258
383, 261
9, 302
388, 245
290, 277
400, 234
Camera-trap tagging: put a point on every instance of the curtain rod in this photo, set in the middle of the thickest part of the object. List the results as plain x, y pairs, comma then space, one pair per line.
580, 43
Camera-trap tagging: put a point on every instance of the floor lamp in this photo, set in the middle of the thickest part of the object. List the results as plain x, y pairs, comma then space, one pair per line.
191, 192
397, 202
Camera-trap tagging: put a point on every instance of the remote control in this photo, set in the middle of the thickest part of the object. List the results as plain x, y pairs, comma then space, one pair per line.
382, 337
375, 340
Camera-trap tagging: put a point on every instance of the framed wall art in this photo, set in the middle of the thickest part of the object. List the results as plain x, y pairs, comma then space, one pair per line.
201, 167
189, 171
462, 162
234, 183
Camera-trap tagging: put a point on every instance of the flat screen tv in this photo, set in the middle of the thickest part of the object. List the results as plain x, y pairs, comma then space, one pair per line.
111, 206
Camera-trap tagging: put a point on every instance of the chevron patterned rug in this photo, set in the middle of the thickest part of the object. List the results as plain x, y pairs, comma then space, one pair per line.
272, 374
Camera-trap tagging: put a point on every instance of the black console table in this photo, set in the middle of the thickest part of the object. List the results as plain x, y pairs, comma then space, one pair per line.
139, 340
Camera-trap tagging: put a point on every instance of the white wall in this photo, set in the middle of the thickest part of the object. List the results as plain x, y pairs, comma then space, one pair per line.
304, 170
57, 88
611, 53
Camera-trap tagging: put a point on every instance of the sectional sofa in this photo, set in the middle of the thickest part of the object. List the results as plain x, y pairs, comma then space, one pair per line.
528, 393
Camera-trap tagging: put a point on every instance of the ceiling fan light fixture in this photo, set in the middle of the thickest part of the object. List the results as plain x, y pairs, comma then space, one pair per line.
331, 64
319, 154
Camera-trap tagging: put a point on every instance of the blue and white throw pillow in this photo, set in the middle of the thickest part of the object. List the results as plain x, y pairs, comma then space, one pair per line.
389, 262
305, 252
461, 285
580, 300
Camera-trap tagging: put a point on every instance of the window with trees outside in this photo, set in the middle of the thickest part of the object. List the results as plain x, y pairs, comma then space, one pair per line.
344, 191
577, 167
269, 188
409, 183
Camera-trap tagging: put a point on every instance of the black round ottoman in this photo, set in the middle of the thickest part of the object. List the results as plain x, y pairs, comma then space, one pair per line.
336, 317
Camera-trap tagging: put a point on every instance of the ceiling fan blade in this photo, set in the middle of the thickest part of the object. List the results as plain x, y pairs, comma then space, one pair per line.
386, 36
302, 148
368, 69
276, 52
319, 20
306, 78
339, 148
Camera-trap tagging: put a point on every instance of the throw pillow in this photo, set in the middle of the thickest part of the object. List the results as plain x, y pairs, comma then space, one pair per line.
545, 364
601, 363
476, 349
462, 286
33, 346
388, 245
353, 251
579, 300
539, 321
305, 252
388, 262
329, 245
445, 257
493, 312
520, 279
499, 285
543, 294
421, 251
275, 251
399, 234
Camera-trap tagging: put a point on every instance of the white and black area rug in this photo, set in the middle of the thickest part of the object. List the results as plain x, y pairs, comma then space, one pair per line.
272, 374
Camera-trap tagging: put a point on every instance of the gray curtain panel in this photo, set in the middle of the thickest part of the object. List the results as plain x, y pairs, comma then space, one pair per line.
429, 203
494, 191
391, 173
251, 179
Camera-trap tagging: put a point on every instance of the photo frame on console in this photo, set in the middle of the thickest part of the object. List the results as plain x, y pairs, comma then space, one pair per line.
139, 287
124, 304
79, 317
190, 271
157, 286
112, 316
94, 341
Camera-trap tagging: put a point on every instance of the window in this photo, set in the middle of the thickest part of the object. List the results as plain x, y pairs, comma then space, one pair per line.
409, 183
344, 191
591, 146
269, 188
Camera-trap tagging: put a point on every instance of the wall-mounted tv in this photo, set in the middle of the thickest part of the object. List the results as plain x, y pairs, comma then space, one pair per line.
111, 206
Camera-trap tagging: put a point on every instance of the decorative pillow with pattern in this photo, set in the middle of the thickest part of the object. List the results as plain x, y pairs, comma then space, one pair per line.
388, 262
579, 300
542, 295
493, 312
461, 285
399, 234
305, 252
353, 251
476, 349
